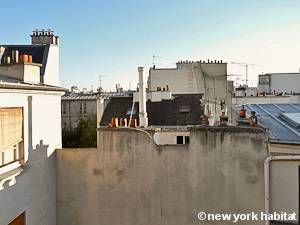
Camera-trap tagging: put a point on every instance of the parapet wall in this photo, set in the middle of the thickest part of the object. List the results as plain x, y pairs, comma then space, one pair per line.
129, 180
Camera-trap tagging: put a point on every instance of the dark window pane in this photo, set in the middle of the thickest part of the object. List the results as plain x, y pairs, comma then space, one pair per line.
179, 140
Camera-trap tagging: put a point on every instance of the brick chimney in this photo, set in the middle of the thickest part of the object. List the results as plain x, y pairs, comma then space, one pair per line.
44, 37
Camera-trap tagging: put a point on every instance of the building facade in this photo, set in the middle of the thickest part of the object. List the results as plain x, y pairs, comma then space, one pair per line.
30, 131
77, 106
207, 78
274, 83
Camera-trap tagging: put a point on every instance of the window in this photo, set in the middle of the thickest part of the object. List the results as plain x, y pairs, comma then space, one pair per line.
128, 111
263, 79
82, 108
184, 108
187, 139
179, 140
11, 135
182, 140
64, 108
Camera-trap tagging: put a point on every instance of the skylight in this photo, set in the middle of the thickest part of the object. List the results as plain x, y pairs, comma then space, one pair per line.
292, 118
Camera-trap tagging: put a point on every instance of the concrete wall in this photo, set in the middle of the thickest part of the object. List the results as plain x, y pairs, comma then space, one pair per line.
169, 137
129, 180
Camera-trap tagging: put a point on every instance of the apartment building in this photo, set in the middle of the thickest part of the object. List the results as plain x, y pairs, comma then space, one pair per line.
208, 78
30, 130
275, 83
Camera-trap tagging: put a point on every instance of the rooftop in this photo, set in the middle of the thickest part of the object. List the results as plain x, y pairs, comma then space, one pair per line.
39, 53
90, 95
181, 110
280, 120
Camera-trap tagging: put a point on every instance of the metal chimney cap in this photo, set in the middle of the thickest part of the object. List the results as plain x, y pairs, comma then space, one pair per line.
140, 68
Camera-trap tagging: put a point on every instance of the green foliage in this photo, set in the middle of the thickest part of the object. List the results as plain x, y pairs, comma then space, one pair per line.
84, 136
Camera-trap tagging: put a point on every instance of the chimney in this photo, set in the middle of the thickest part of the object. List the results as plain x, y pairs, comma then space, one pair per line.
2, 50
142, 99
44, 37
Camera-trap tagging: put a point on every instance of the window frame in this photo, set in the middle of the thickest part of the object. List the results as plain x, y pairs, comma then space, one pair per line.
17, 149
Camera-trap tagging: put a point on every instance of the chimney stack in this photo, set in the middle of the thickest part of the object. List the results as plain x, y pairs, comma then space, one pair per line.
44, 37
142, 99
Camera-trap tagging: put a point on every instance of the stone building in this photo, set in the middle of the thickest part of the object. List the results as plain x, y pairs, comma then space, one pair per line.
77, 106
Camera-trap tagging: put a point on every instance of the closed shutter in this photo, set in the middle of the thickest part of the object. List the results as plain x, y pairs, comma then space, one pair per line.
20, 220
11, 126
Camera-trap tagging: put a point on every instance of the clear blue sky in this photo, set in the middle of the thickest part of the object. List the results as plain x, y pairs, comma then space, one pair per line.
111, 38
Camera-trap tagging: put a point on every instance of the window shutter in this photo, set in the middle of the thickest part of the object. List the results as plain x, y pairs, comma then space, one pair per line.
11, 126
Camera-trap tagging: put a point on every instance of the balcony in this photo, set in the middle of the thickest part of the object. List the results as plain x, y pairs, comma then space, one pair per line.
11, 159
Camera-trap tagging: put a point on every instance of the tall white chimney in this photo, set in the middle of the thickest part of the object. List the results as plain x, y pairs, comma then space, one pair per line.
142, 99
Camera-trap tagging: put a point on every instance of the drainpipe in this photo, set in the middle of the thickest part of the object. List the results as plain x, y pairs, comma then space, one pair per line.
142, 99
267, 163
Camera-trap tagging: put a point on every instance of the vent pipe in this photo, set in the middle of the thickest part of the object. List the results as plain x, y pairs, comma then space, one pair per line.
142, 99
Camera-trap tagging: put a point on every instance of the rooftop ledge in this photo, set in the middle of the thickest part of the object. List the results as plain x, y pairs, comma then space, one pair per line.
240, 129
22, 63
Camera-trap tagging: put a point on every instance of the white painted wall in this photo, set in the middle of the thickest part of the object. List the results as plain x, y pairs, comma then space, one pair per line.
285, 82
209, 79
284, 183
180, 81
46, 114
280, 82
51, 75
26, 72
168, 137
35, 189
191, 78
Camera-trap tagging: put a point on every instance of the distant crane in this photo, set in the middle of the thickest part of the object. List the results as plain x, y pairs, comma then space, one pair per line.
246, 67
154, 57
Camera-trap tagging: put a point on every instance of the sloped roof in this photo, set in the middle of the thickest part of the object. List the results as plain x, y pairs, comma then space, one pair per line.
275, 118
92, 95
79, 96
181, 110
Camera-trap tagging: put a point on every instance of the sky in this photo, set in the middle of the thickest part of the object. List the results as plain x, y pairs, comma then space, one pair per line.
112, 38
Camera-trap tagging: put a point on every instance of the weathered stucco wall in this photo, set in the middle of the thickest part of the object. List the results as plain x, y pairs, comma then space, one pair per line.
129, 180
